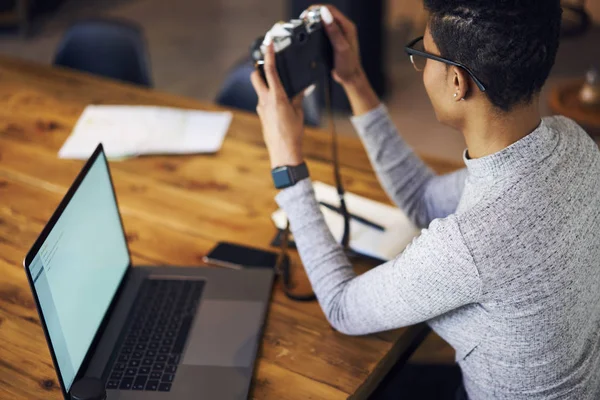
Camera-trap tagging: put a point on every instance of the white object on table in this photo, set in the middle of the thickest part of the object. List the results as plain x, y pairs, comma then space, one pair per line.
384, 245
127, 131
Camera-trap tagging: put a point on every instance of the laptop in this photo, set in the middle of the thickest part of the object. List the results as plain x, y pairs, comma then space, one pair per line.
146, 332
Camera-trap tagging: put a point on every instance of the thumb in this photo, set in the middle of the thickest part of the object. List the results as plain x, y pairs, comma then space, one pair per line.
298, 99
336, 77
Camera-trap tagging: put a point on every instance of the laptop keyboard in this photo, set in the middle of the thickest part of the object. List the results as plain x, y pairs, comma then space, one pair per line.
153, 344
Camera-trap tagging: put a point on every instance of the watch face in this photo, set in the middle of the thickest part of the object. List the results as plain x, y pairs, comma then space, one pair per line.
287, 176
281, 177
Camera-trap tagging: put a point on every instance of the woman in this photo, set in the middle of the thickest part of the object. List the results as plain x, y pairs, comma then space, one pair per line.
508, 268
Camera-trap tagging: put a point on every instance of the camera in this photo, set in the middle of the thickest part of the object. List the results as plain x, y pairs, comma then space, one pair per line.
303, 52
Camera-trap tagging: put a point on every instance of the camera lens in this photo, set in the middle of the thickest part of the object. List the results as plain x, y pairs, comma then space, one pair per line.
302, 37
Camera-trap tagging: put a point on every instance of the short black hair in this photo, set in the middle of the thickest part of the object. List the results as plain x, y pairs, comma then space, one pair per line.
510, 45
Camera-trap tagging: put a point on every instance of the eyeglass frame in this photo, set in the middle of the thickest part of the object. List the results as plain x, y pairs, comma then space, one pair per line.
411, 51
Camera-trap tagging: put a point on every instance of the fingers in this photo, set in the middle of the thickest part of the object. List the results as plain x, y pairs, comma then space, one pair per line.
338, 40
271, 73
345, 24
259, 85
297, 100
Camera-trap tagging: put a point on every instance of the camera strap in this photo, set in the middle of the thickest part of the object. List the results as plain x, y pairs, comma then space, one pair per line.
283, 261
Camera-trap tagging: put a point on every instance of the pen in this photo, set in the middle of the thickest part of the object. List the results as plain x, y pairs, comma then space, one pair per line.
354, 217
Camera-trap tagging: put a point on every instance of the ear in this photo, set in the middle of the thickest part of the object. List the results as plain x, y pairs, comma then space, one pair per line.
460, 83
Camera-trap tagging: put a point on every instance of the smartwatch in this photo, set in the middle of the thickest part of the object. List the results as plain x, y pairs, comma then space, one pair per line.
287, 176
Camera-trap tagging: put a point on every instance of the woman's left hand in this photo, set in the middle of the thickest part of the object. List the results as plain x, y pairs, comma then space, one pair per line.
282, 120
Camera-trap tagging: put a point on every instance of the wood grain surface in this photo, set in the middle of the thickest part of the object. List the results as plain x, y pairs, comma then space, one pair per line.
175, 208
564, 100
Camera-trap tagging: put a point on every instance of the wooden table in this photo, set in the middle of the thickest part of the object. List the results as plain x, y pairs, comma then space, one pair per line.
175, 208
564, 100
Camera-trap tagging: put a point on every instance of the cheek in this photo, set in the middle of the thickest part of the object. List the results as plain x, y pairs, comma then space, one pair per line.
432, 81
428, 79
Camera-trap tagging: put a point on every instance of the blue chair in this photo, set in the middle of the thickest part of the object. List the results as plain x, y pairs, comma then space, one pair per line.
111, 48
237, 92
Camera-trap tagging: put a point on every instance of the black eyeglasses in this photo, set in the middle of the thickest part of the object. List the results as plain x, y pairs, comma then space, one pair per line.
418, 57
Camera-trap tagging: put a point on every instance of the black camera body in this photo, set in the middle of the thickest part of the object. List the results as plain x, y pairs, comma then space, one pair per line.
303, 52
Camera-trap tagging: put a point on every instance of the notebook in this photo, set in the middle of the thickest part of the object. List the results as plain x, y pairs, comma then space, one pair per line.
128, 131
384, 245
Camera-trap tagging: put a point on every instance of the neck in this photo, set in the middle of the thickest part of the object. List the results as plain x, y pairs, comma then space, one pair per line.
490, 132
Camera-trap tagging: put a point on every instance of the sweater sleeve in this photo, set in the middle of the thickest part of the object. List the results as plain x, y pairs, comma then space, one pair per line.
413, 186
434, 275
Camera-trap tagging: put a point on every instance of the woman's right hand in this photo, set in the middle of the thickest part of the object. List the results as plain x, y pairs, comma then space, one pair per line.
348, 70
344, 39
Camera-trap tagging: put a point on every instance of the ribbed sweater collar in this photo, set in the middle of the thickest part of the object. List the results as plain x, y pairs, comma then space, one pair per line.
520, 155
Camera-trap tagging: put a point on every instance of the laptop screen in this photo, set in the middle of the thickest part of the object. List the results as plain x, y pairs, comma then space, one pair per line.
79, 267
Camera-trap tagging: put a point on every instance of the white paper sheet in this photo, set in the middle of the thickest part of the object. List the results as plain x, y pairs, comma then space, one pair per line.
385, 245
127, 131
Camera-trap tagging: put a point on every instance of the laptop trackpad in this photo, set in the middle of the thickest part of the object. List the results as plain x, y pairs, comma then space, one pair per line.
224, 333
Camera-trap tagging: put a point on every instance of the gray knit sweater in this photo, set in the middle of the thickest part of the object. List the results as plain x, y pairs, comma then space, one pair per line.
507, 271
